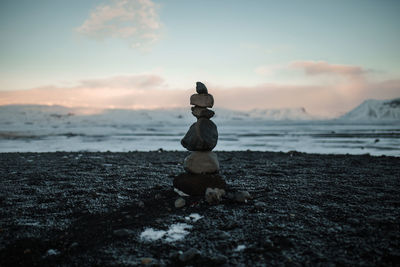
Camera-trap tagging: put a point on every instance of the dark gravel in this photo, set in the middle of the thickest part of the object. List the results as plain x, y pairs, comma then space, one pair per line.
88, 209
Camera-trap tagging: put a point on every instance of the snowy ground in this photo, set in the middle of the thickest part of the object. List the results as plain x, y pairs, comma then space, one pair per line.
46, 129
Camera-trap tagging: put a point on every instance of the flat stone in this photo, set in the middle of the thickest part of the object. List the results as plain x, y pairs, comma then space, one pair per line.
202, 100
201, 88
201, 136
200, 112
201, 162
196, 184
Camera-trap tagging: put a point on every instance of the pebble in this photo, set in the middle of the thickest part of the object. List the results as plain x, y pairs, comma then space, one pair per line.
218, 259
147, 261
260, 205
220, 235
140, 204
189, 254
242, 196
179, 203
353, 221
202, 100
123, 232
201, 88
201, 162
214, 195
200, 112
74, 244
201, 136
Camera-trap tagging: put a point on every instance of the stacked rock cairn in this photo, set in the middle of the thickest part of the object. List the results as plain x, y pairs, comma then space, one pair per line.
202, 164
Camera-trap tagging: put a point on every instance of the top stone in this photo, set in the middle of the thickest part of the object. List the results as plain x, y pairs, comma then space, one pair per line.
201, 88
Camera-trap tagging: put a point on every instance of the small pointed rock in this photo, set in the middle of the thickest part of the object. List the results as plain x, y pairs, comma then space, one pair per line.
200, 112
202, 100
201, 88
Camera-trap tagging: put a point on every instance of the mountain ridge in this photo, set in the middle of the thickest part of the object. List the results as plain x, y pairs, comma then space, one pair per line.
178, 112
375, 110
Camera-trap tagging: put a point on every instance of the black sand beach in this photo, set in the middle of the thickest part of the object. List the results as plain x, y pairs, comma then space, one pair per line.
88, 209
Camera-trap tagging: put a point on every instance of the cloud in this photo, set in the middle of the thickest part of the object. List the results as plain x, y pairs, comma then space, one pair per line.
152, 91
322, 67
122, 91
144, 81
264, 70
268, 70
134, 20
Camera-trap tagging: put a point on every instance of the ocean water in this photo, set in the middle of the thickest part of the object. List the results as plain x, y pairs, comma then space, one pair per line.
47, 132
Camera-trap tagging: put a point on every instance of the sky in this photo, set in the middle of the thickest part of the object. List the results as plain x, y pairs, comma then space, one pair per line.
325, 56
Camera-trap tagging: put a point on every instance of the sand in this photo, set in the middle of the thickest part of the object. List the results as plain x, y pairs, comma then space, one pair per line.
100, 209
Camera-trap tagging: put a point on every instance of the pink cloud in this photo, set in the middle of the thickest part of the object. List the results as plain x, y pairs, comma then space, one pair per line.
145, 81
322, 67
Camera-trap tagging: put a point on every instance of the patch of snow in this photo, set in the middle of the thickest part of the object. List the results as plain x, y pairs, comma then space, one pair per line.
179, 192
194, 217
240, 248
176, 232
149, 234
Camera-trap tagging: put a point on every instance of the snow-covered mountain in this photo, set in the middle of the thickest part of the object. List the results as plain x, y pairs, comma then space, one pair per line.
374, 110
292, 114
28, 114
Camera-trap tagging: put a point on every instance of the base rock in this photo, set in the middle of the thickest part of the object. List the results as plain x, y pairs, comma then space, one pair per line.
196, 184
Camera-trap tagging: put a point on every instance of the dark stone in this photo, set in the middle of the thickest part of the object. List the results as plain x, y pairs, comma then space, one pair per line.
201, 88
196, 184
200, 112
189, 254
202, 136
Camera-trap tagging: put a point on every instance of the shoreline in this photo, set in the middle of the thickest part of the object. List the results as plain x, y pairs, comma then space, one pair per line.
71, 208
161, 150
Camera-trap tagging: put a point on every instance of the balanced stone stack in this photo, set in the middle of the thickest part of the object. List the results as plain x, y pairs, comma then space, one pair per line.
202, 164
